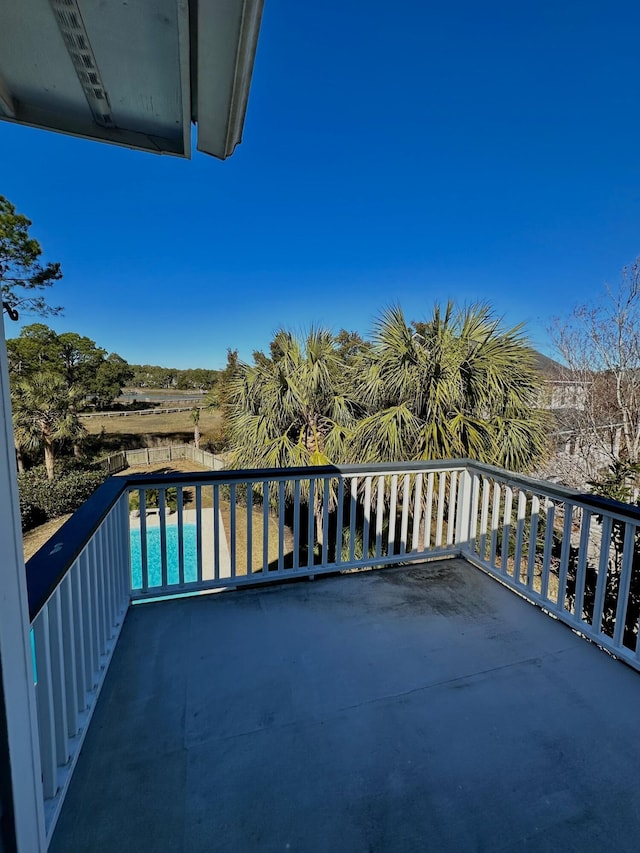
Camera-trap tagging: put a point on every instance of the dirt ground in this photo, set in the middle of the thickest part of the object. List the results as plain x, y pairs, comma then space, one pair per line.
34, 539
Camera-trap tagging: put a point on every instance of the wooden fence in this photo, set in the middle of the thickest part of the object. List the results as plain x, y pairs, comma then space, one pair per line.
153, 455
131, 412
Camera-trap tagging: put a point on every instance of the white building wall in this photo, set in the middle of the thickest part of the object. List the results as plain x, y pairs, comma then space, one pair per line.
15, 645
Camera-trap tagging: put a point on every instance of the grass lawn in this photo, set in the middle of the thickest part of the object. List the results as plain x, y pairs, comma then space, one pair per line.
133, 431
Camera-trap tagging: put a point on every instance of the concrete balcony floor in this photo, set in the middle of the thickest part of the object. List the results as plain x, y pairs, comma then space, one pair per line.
425, 709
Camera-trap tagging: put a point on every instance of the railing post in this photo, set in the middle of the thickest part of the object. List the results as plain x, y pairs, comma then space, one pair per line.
463, 511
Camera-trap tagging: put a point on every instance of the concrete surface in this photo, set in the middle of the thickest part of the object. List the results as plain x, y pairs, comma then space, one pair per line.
425, 709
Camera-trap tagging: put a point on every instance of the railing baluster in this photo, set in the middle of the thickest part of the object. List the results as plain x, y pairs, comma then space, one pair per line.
69, 632
583, 550
216, 532
603, 567
379, 516
45, 708
58, 678
451, 518
144, 557
180, 511
506, 529
339, 519
281, 509
325, 522
233, 530
565, 553
79, 634
296, 524
109, 572
199, 533
91, 657
550, 516
393, 511
520, 519
473, 519
366, 509
125, 546
311, 524
625, 582
266, 492
417, 513
352, 519
162, 518
484, 517
404, 520
120, 527
98, 596
106, 585
249, 529
533, 540
442, 485
495, 525
426, 541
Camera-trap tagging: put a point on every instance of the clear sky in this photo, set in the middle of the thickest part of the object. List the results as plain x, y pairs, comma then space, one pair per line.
393, 153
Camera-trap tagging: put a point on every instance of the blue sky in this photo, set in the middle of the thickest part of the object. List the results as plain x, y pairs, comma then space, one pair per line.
392, 154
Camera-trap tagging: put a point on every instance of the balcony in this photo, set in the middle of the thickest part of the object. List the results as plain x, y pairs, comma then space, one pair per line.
423, 706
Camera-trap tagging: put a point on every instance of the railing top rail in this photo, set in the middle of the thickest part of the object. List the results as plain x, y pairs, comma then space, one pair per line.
245, 475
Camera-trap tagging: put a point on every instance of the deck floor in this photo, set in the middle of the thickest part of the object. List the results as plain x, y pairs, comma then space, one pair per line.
422, 709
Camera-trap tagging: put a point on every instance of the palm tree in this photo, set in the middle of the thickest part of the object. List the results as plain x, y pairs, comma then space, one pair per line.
293, 408
45, 413
458, 385
195, 417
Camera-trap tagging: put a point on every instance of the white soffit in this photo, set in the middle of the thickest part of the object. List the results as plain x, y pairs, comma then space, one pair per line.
121, 71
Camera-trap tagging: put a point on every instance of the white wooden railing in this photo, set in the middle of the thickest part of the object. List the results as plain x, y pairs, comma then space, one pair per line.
73, 636
150, 536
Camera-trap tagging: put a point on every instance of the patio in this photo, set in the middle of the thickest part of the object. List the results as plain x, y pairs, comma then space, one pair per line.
423, 708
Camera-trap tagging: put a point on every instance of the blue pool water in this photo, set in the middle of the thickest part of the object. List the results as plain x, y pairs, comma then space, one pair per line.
154, 560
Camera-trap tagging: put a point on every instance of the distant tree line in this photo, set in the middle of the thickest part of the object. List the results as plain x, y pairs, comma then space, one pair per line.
154, 376
53, 378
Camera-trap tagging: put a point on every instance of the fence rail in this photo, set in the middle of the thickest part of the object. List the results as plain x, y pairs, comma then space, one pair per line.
151, 535
129, 412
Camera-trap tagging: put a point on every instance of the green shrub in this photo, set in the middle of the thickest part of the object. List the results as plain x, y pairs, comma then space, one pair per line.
152, 499
42, 499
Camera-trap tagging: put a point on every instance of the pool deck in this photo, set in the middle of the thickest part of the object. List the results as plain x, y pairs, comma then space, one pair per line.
421, 709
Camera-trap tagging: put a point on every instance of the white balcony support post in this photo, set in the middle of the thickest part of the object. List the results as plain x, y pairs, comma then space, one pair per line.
463, 510
15, 645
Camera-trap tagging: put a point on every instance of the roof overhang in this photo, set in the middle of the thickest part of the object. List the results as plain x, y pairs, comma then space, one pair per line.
131, 72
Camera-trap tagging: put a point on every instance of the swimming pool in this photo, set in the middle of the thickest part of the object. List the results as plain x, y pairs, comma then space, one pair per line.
154, 560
